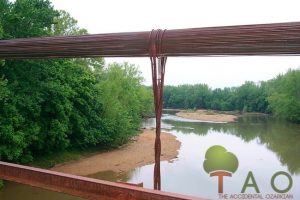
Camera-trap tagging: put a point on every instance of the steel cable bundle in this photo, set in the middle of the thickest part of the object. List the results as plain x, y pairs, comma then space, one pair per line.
265, 39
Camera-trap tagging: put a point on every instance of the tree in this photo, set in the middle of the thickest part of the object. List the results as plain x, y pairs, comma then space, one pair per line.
284, 96
21, 106
125, 101
36, 15
64, 24
4, 9
249, 97
55, 104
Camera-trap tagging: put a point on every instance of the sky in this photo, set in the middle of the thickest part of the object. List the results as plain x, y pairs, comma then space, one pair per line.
108, 16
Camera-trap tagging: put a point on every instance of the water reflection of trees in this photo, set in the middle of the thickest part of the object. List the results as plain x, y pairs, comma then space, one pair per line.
280, 137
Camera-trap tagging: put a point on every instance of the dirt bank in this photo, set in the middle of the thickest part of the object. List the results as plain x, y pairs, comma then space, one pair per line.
135, 154
207, 115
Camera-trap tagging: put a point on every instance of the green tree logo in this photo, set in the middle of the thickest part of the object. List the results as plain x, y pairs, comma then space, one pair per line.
219, 162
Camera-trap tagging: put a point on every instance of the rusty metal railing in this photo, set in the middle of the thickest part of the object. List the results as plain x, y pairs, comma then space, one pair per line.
84, 187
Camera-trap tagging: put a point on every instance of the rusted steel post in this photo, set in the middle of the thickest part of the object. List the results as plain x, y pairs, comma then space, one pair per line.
158, 63
86, 188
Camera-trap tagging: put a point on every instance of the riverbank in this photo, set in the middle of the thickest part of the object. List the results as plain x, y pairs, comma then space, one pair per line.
135, 154
207, 115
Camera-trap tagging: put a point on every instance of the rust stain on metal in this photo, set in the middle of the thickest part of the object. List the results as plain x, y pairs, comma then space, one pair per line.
87, 188
263, 39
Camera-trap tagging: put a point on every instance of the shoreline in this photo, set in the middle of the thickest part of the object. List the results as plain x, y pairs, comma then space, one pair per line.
135, 154
207, 115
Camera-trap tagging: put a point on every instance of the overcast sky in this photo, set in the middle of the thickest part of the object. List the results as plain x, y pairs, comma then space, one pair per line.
107, 16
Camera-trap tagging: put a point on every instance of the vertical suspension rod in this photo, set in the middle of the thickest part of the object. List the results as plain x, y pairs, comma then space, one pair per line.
158, 63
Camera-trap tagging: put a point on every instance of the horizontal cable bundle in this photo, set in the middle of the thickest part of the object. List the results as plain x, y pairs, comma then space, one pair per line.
265, 39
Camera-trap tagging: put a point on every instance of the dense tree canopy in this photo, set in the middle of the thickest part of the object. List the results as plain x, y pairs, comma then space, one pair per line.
284, 96
54, 104
280, 96
123, 111
249, 97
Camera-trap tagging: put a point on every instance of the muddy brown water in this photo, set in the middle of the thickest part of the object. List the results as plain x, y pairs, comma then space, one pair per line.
262, 145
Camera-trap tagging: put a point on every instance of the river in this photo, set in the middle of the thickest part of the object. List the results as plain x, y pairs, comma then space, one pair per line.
262, 145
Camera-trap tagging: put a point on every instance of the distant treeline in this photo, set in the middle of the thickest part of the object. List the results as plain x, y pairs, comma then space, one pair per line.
279, 96
52, 105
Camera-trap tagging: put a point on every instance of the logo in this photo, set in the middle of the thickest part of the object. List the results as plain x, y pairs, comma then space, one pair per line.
219, 162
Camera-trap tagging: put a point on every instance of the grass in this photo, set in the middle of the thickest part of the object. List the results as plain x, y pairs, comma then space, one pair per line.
50, 160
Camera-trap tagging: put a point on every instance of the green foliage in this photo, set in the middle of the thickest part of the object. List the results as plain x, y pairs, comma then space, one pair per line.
28, 18
125, 101
249, 97
1, 184
1, 31
279, 96
187, 96
49, 106
4, 7
64, 24
284, 96
217, 158
3, 89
